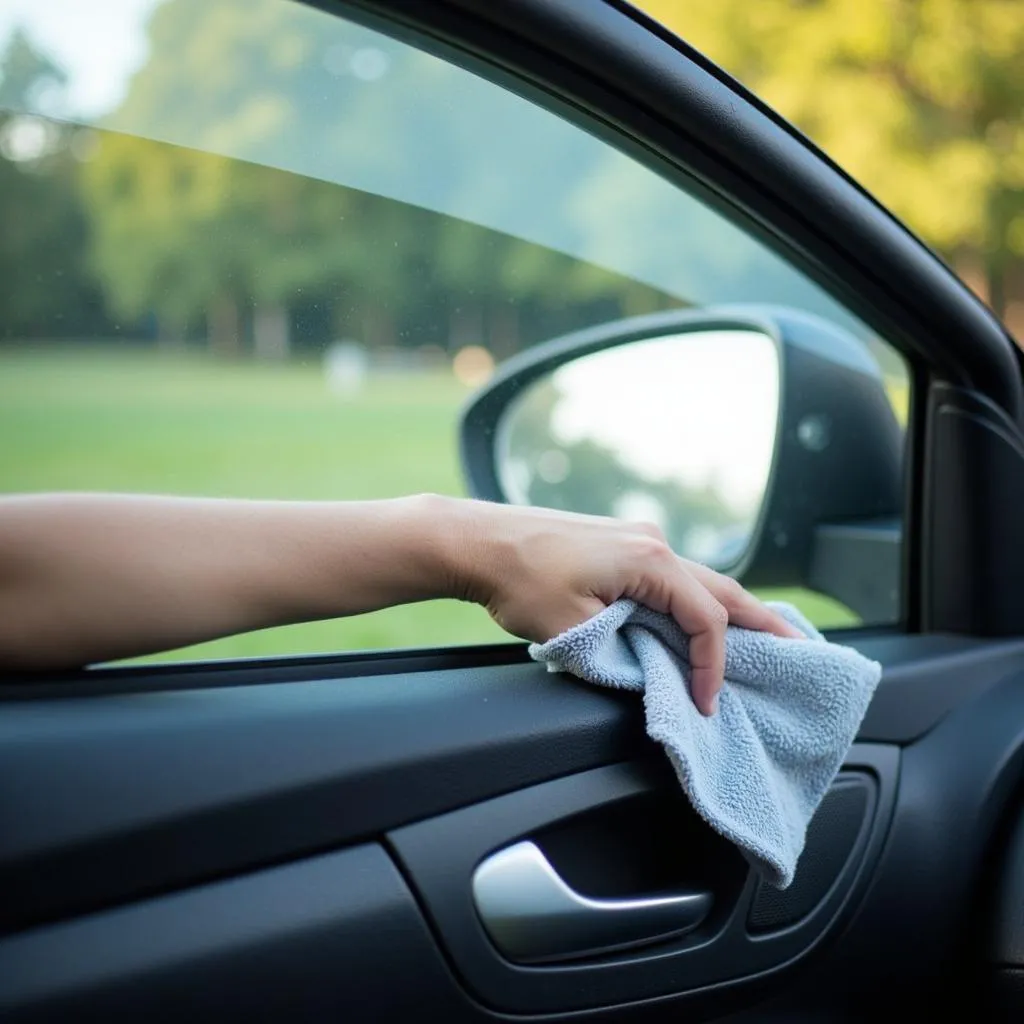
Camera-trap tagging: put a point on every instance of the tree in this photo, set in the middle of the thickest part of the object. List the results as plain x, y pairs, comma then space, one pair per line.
306, 160
45, 288
185, 233
188, 233
920, 100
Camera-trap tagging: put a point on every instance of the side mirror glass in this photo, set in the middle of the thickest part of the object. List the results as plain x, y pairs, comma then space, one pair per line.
677, 430
760, 439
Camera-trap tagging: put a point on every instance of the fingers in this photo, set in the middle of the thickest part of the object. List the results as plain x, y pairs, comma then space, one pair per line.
704, 618
554, 570
704, 603
744, 609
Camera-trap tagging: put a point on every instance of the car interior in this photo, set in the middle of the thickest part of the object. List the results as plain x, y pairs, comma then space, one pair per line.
453, 833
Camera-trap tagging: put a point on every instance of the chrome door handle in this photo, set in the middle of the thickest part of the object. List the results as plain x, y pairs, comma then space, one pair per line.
532, 916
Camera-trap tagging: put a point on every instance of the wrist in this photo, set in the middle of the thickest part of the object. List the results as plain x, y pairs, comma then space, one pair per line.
463, 544
350, 557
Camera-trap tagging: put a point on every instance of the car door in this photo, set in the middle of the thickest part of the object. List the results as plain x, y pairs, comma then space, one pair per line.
324, 835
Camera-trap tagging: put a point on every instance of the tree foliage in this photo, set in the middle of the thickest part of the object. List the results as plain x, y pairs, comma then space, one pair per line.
920, 100
270, 164
185, 232
44, 282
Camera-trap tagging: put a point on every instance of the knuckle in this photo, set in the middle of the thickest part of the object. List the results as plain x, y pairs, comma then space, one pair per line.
716, 615
730, 592
654, 551
649, 530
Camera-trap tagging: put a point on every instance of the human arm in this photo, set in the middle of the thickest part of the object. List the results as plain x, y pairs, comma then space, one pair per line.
94, 577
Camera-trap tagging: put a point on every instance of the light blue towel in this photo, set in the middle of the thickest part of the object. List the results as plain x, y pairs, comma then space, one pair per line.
788, 713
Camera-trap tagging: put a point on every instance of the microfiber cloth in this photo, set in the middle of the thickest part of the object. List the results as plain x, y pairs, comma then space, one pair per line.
788, 712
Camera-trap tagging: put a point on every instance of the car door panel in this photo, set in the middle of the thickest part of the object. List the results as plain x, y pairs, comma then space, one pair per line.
439, 856
101, 787
308, 940
923, 940
233, 776
126, 813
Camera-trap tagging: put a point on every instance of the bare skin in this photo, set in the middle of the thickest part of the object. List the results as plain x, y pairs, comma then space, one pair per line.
94, 577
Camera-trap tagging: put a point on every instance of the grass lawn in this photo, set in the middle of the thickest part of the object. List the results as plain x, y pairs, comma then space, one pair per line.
108, 419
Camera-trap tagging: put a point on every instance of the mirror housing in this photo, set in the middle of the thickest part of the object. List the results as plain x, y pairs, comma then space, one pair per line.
830, 519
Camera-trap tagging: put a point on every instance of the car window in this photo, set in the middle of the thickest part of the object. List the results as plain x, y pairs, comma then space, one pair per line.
252, 248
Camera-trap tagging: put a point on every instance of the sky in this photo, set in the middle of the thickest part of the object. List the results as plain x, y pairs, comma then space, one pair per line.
98, 43
700, 407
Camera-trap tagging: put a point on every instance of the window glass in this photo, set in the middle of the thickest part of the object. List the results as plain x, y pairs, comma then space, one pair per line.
255, 249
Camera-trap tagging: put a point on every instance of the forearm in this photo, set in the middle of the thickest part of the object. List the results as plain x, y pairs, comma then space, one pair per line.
97, 577
87, 578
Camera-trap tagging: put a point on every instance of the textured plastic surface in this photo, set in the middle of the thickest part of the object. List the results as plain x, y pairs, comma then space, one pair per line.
927, 677
440, 855
831, 840
1006, 1005
159, 790
317, 940
907, 940
920, 940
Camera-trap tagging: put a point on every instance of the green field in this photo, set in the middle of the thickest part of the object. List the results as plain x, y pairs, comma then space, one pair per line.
116, 419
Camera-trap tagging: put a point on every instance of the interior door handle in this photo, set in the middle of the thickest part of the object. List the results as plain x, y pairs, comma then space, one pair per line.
532, 916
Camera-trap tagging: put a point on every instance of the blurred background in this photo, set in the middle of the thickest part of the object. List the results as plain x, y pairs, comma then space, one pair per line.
921, 101
194, 299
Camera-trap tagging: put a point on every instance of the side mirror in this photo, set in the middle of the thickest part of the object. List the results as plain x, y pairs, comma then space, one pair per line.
761, 440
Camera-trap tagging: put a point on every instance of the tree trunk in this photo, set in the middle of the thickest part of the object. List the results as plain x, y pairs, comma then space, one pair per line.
995, 275
466, 327
223, 328
170, 334
342, 315
270, 332
378, 327
970, 268
504, 332
1013, 313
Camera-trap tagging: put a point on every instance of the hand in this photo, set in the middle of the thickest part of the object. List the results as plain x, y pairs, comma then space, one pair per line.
542, 572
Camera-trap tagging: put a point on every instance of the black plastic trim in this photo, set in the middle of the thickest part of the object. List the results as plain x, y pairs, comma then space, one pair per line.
317, 940
104, 798
439, 857
859, 563
917, 941
927, 677
832, 840
127, 678
971, 526
1008, 931
108, 798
